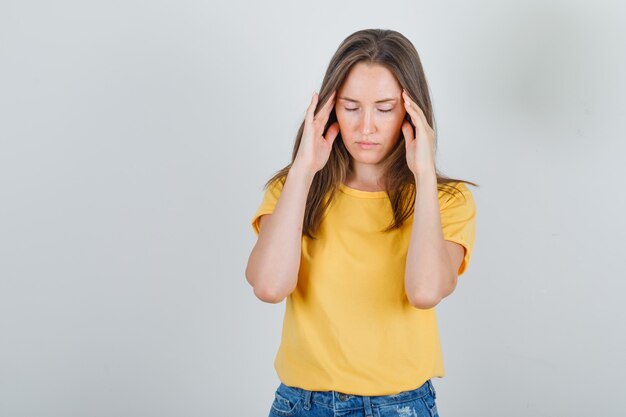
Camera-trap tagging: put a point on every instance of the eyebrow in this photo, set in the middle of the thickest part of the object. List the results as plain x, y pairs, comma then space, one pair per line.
357, 101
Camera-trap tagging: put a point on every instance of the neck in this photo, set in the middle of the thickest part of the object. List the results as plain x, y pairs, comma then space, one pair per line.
369, 175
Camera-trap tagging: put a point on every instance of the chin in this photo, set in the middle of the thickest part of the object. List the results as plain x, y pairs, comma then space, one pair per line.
366, 159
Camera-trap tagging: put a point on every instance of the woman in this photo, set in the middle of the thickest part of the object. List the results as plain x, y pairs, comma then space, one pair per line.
364, 237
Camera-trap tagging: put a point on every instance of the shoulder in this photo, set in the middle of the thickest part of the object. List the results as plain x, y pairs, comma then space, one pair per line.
274, 187
277, 183
456, 192
456, 203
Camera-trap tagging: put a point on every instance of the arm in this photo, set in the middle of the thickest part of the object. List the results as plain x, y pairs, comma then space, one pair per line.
274, 262
432, 262
429, 275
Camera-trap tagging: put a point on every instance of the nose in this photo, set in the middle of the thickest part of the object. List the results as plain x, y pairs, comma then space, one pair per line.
367, 124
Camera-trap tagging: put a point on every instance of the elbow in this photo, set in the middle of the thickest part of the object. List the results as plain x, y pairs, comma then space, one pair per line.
263, 290
424, 301
268, 286
267, 295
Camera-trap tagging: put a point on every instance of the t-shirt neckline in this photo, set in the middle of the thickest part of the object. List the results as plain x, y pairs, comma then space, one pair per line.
360, 193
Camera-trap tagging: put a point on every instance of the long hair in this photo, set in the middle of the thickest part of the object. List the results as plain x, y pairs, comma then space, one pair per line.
396, 53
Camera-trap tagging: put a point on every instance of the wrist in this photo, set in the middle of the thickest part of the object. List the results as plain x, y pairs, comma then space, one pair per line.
302, 172
428, 176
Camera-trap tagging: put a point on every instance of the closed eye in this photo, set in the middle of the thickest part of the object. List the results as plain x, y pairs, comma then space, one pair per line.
383, 111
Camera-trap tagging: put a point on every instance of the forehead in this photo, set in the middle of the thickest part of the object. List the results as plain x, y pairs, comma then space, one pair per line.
370, 82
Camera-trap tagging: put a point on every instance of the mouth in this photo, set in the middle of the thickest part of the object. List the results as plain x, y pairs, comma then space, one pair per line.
367, 145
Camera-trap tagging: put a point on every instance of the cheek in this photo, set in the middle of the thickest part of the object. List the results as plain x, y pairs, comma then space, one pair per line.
392, 122
346, 120
397, 118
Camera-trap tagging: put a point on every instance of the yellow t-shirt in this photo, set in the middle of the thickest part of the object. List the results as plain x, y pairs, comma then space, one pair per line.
348, 325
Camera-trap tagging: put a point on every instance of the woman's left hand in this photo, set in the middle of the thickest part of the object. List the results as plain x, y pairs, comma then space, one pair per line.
420, 146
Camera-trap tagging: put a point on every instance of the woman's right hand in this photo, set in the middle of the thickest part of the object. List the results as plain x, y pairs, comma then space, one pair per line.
314, 149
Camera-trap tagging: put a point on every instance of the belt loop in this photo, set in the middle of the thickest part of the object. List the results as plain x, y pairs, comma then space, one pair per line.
368, 406
432, 389
307, 398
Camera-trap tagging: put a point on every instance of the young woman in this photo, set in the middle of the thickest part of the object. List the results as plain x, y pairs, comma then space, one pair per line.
363, 237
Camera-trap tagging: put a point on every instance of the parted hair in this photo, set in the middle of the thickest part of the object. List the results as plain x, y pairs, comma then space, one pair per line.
395, 52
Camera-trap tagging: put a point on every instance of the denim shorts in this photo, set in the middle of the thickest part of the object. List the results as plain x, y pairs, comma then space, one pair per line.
293, 401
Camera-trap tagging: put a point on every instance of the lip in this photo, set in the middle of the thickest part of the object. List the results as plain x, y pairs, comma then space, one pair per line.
366, 145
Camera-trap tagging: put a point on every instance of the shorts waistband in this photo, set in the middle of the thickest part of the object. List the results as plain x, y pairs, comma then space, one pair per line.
342, 401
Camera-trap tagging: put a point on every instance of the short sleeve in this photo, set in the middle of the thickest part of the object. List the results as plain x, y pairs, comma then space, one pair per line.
458, 220
270, 198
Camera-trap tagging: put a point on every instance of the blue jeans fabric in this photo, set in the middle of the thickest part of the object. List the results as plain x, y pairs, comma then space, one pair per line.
298, 402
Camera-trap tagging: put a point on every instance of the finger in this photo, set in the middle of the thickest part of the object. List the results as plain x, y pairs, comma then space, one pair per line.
330, 103
414, 117
418, 121
411, 108
309, 111
407, 130
414, 104
332, 132
324, 112
416, 113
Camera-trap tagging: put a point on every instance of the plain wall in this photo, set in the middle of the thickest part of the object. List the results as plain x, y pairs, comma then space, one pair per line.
136, 136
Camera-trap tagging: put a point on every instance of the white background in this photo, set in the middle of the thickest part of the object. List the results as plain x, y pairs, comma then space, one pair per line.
135, 140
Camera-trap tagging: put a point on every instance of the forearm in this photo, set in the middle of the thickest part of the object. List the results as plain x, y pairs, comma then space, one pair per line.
427, 275
275, 259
